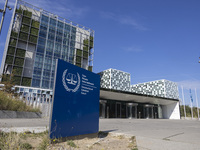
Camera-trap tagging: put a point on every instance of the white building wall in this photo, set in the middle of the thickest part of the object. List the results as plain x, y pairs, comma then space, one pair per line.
171, 111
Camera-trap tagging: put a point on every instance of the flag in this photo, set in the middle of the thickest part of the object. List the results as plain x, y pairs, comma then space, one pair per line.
191, 96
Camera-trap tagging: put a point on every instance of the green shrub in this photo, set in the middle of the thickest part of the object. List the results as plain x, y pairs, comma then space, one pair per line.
20, 52
16, 80
19, 62
17, 71
91, 44
13, 42
26, 20
85, 55
23, 36
14, 34
5, 78
26, 81
34, 31
26, 146
13, 104
27, 13
11, 50
25, 28
90, 68
33, 39
79, 52
86, 42
19, 10
9, 59
78, 64
71, 144
35, 24
78, 59
85, 48
91, 38
45, 142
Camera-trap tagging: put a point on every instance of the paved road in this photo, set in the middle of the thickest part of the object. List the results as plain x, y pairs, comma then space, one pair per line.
150, 134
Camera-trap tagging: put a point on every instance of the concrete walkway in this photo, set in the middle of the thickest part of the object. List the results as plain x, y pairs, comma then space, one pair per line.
150, 134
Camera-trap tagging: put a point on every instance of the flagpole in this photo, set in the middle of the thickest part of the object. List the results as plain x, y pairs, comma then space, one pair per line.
197, 103
191, 103
183, 102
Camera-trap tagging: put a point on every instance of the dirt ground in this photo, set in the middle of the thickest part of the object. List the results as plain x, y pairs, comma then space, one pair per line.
103, 142
40, 141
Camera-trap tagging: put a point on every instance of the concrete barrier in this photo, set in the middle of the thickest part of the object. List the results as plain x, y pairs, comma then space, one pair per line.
5, 114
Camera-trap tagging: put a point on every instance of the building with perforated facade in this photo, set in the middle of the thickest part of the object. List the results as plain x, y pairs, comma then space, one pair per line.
115, 79
161, 88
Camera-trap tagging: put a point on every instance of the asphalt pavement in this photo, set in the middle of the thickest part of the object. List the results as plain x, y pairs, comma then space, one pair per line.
153, 134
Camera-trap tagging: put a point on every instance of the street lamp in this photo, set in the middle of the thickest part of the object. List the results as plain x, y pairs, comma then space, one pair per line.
4, 12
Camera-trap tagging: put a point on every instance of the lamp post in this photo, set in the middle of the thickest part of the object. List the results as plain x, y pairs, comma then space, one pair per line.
4, 12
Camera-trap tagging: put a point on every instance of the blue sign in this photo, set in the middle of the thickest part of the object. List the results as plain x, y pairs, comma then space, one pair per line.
75, 106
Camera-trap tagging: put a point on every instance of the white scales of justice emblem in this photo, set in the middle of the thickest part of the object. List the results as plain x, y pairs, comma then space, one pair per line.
71, 79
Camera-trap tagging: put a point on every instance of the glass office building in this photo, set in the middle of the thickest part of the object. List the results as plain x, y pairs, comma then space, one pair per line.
36, 38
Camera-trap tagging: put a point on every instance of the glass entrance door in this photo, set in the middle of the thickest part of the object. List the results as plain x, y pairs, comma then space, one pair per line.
132, 110
148, 111
118, 110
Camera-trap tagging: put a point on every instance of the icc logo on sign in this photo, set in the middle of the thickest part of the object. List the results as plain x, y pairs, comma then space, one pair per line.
71, 81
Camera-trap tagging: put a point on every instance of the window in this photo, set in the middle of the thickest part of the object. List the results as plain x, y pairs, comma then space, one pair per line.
51, 36
45, 19
36, 83
43, 33
60, 25
41, 41
52, 22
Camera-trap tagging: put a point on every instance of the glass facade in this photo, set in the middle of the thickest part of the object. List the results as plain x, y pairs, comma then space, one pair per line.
36, 39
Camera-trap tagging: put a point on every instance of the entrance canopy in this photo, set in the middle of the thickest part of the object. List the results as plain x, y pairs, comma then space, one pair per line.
107, 94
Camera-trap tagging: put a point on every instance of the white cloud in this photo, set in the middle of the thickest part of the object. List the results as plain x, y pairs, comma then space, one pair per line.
123, 19
189, 84
63, 8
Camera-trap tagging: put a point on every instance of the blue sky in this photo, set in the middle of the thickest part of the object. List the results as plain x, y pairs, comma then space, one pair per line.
152, 40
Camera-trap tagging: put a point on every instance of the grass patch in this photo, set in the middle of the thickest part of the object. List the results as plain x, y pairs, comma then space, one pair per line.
7, 102
71, 144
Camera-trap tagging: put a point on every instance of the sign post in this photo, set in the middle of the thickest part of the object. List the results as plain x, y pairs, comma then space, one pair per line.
75, 105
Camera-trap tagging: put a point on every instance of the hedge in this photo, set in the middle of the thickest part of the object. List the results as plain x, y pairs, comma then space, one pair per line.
78, 59
34, 31
26, 81
26, 20
27, 13
23, 36
14, 34
17, 71
11, 50
20, 52
33, 39
16, 80
25, 28
79, 52
35, 24
9, 59
85, 54
19, 61
13, 42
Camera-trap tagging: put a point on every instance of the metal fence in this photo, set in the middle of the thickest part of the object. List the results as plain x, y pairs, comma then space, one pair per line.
41, 102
